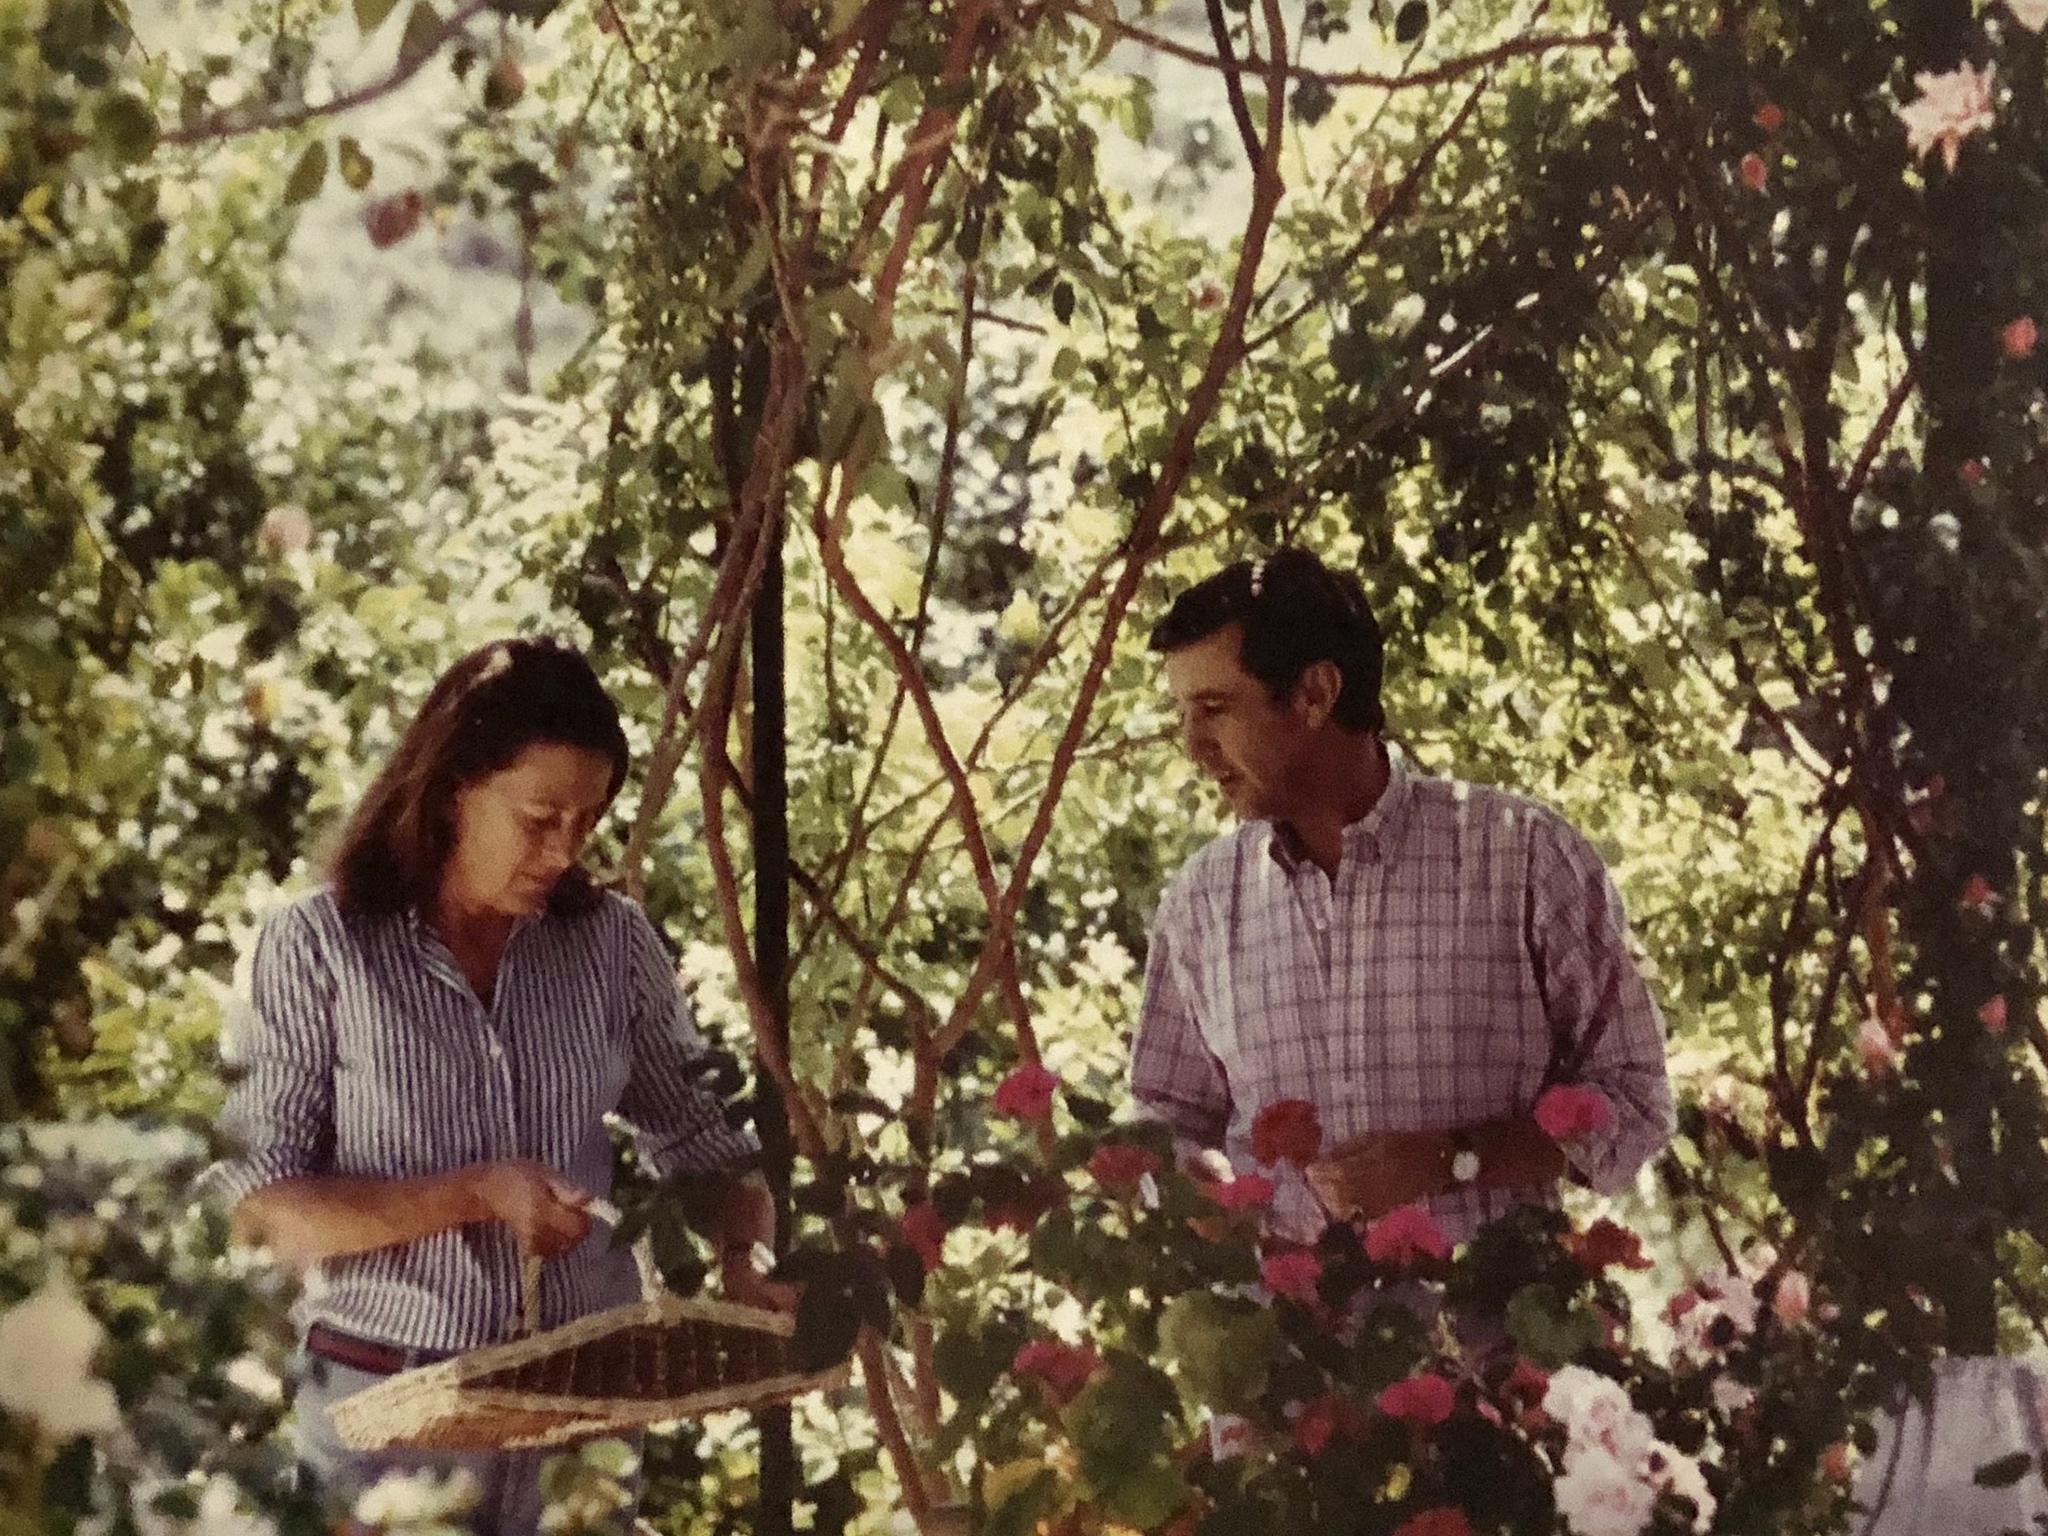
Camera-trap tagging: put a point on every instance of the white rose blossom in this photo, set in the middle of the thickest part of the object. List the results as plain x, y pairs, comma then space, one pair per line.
1949, 108
405, 1501
46, 1349
1601, 1496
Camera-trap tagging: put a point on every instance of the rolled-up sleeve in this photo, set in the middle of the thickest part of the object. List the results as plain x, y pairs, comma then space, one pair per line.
1175, 1077
1607, 1032
279, 1051
682, 1124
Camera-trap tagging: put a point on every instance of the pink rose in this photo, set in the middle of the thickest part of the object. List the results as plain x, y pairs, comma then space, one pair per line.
1879, 1051
1756, 175
1992, 1015
1792, 1299
2019, 337
1122, 1168
1293, 1273
1287, 1130
1567, 1110
1026, 1094
1421, 1401
286, 530
1403, 1235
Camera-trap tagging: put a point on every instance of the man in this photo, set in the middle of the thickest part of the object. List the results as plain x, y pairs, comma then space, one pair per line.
1416, 957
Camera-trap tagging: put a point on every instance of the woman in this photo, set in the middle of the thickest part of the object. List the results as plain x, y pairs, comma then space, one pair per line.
435, 1039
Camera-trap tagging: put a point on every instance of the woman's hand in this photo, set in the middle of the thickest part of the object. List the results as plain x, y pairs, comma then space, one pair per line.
740, 1272
547, 1213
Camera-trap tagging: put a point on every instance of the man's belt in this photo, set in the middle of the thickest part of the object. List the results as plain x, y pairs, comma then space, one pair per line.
367, 1354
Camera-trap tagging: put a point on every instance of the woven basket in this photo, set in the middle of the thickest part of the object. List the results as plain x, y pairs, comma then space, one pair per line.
647, 1362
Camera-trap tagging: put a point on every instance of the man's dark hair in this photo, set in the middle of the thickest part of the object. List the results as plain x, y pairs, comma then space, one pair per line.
486, 709
1295, 611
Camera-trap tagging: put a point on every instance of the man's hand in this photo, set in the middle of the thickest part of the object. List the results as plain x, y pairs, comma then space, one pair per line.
1370, 1175
544, 1210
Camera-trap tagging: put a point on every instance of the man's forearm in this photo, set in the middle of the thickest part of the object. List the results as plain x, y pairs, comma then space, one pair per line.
325, 1216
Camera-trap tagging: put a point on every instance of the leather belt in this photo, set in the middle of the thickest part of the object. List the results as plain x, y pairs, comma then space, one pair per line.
367, 1354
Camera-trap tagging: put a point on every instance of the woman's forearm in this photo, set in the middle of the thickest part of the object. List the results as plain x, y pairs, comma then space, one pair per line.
326, 1216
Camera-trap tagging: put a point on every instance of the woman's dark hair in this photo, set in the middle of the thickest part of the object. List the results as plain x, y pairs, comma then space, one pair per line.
486, 709
1296, 611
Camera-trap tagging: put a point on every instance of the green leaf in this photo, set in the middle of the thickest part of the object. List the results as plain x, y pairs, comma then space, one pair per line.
1548, 1328
422, 31
1020, 1508
1222, 1349
309, 174
356, 167
1121, 1425
1313, 100
2003, 1472
1412, 21
1063, 301
370, 14
126, 128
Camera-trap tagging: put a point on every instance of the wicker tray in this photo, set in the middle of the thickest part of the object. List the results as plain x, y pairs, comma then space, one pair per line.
647, 1362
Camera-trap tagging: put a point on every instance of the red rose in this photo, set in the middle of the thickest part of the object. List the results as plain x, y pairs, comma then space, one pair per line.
1293, 1273
1605, 1244
1421, 1401
1756, 175
1435, 1522
1567, 1110
922, 1229
1122, 1168
390, 219
1287, 1130
1405, 1234
1327, 1418
1249, 1192
1063, 1369
1026, 1094
1530, 1383
1770, 117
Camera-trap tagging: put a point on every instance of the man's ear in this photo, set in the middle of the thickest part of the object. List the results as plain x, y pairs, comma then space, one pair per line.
1316, 690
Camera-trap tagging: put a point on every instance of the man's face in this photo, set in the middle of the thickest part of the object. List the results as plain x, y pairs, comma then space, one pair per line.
1233, 728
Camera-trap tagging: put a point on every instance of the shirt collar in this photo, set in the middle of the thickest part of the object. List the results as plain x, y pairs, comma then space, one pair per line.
1374, 836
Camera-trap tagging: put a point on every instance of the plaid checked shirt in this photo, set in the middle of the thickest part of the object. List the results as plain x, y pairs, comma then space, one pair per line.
1471, 951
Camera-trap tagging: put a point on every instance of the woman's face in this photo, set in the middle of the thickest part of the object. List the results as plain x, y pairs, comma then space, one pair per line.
517, 831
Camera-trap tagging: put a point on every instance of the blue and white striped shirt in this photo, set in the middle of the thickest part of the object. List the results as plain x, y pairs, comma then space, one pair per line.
367, 1053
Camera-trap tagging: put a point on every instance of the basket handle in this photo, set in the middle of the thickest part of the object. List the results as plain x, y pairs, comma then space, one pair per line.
527, 1324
